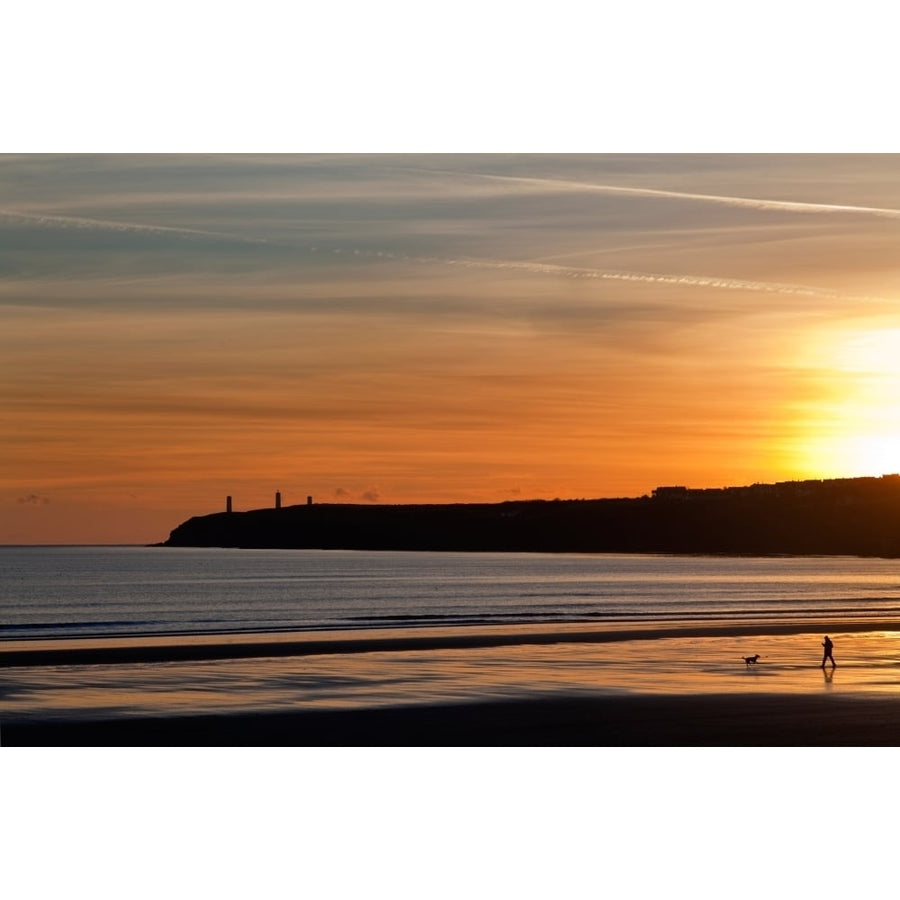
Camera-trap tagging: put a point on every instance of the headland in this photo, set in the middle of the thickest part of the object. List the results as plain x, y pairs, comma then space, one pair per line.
845, 516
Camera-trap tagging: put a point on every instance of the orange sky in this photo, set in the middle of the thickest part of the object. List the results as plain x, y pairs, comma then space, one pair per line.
435, 328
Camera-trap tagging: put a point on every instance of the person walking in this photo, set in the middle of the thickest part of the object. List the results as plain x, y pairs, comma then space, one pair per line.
829, 646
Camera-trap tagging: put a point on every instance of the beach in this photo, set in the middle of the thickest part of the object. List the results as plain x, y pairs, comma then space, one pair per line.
677, 684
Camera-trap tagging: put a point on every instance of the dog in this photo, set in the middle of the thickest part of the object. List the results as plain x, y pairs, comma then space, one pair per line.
750, 660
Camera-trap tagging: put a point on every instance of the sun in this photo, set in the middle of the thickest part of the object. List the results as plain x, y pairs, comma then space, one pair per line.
852, 428
878, 454
862, 454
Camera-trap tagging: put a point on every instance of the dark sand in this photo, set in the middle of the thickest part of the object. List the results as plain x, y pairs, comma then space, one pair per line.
620, 721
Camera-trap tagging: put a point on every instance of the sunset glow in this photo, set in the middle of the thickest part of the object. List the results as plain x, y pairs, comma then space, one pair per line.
423, 328
854, 428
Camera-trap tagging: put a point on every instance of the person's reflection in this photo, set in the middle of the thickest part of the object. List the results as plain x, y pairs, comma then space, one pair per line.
829, 677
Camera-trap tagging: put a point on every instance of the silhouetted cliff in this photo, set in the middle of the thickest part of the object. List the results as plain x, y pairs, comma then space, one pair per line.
856, 516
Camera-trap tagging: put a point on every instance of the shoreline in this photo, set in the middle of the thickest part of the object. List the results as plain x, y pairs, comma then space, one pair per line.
245, 645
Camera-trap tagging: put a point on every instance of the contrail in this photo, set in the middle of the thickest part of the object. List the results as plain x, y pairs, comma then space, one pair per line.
746, 202
735, 284
543, 268
110, 225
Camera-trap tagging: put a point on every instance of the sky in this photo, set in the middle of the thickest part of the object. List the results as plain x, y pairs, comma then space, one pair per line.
411, 328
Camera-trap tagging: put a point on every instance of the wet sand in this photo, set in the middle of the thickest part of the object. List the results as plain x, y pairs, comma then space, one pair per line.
574, 685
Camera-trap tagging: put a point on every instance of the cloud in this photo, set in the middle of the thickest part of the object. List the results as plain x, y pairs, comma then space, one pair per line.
341, 493
371, 495
33, 500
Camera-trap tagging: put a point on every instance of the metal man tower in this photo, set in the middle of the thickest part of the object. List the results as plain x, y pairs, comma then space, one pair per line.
277, 499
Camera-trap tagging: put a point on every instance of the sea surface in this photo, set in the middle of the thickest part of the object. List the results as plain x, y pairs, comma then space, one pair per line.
74, 592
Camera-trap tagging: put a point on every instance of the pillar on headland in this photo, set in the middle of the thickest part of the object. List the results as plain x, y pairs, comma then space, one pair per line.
277, 499
228, 504
309, 501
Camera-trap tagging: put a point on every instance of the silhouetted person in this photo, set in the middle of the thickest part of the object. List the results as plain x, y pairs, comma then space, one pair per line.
827, 654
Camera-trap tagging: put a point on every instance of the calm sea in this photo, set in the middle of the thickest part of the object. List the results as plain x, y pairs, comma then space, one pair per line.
54, 592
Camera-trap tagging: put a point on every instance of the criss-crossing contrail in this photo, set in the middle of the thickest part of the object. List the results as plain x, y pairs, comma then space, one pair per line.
541, 268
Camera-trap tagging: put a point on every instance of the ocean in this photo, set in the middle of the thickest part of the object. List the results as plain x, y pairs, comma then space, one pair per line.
77, 592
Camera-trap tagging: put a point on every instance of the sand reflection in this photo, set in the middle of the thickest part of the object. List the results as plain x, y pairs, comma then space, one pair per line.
867, 662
